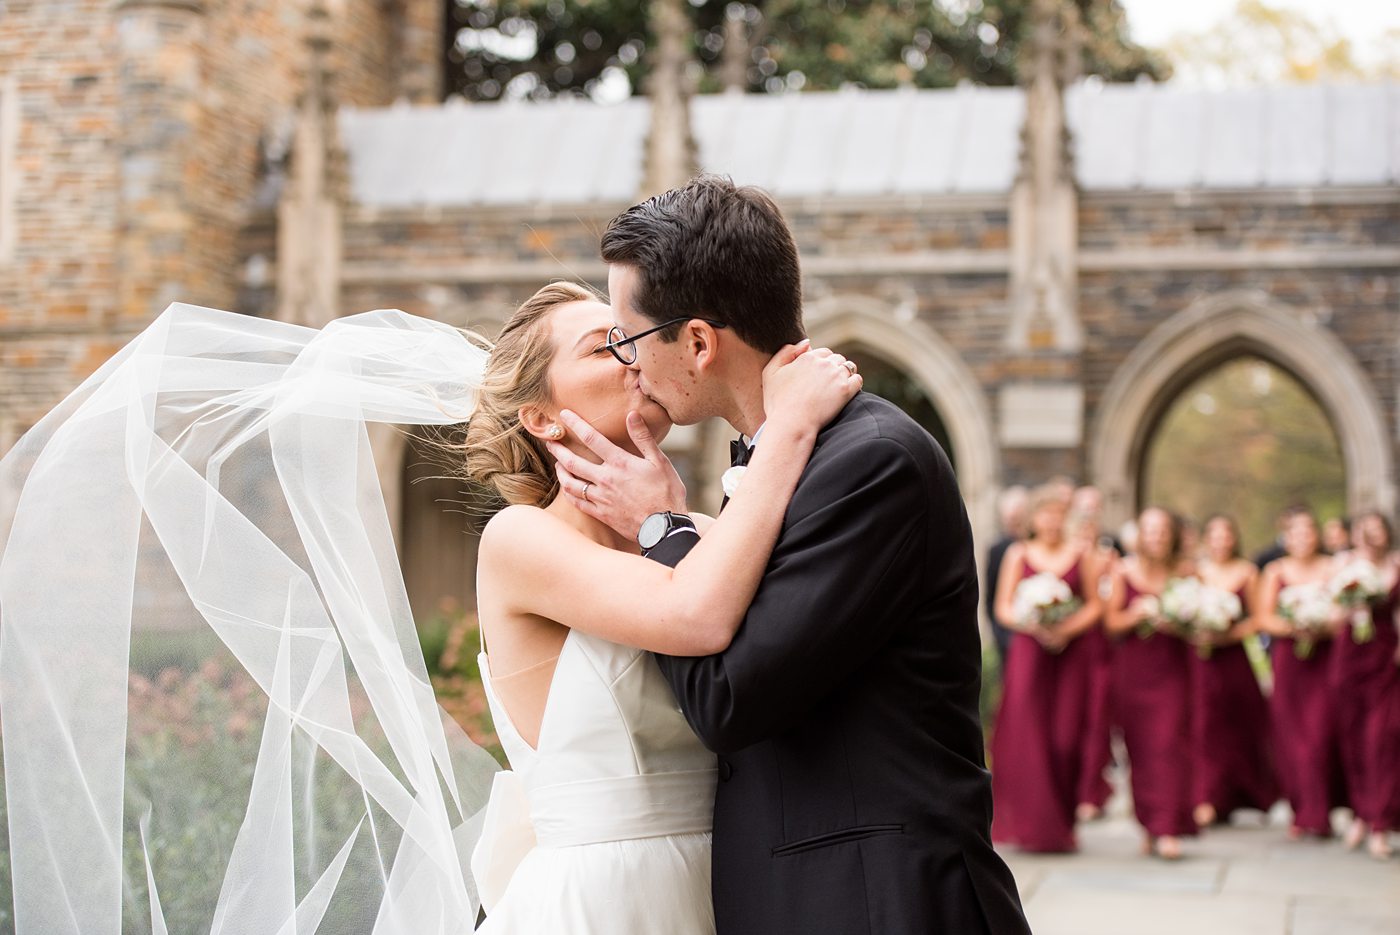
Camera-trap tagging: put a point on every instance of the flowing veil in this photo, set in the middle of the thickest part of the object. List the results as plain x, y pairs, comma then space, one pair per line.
215, 712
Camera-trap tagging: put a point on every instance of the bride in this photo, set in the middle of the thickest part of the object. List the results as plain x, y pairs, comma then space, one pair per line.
216, 475
619, 790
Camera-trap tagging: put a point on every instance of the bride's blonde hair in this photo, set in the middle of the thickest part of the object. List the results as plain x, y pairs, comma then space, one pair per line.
496, 451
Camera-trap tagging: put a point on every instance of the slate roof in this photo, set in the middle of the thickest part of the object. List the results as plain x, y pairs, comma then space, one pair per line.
857, 143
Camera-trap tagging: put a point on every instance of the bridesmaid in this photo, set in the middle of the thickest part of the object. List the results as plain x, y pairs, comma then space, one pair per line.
1087, 533
1230, 717
1303, 706
1150, 684
1037, 746
1366, 682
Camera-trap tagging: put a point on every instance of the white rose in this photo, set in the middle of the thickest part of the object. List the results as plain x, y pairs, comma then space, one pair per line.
729, 480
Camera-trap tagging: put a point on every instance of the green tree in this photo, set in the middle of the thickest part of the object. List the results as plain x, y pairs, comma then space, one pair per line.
1261, 44
541, 48
1245, 439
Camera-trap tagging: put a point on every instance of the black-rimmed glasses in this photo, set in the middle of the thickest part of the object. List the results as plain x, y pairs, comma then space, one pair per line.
625, 349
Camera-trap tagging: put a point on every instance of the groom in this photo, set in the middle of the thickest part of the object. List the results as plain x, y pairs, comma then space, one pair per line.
852, 794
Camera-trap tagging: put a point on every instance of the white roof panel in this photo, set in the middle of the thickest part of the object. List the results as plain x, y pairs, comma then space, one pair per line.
1359, 135
851, 143
712, 122
870, 154
1233, 150
1392, 116
517, 143
619, 171
991, 140
817, 128
1295, 136
1108, 122
1171, 147
928, 152
761, 136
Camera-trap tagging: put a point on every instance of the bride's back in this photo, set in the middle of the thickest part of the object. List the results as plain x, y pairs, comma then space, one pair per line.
615, 799
609, 713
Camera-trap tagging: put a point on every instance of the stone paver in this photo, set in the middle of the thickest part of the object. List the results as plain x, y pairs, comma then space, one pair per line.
1247, 879
1313, 915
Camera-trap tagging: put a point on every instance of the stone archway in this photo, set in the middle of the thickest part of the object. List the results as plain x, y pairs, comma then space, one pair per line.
913, 346
1208, 333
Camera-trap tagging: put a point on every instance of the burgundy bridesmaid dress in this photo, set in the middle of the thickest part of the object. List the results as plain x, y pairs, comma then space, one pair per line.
1366, 685
1037, 746
1304, 712
1151, 698
1094, 788
1230, 733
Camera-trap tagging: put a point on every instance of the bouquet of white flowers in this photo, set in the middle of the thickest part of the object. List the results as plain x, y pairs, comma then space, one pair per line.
1358, 585
1152, 611
1181, 602
1308, 607
1043, 600
1217, 612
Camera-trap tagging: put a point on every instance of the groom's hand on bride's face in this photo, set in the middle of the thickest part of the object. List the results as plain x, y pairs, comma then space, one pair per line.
621, 489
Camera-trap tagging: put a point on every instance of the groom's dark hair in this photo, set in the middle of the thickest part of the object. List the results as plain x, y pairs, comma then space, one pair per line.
712, 249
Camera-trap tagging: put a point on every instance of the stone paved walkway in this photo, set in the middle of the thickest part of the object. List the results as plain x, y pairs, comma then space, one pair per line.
1248, 879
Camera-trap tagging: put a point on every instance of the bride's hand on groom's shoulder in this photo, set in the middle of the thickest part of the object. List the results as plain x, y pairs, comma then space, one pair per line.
624, 488
805, 387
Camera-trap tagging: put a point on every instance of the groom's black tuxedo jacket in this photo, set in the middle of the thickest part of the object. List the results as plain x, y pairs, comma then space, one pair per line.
853, 796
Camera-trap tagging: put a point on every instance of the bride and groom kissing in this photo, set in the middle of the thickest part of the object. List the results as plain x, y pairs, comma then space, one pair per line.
764, 722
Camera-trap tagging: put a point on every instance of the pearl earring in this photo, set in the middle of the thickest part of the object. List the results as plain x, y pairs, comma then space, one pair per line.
555, 432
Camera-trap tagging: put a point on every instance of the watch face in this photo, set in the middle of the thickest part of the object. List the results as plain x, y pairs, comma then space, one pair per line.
653, 528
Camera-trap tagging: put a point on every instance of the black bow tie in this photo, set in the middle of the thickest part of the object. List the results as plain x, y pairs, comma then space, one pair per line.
739, 453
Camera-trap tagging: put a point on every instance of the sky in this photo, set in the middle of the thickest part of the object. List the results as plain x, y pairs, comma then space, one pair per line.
1152, 22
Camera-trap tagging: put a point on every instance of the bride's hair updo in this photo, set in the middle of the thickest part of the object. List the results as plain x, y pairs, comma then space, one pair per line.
497, 451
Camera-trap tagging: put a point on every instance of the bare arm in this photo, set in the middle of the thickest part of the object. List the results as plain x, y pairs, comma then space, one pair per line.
1266, 616
1086, 617
1006, 587
1121, 617
1248, 625
545, 567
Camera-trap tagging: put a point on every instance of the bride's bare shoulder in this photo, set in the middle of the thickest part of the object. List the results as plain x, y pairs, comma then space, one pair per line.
520, 531
515, 521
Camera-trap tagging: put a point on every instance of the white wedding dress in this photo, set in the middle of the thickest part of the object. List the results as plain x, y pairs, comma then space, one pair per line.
605, 827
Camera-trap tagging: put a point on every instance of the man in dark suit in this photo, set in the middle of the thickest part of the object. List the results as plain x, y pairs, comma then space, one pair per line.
853, 795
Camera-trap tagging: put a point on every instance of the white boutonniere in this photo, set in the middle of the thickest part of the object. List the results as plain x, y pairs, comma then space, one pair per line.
730, 479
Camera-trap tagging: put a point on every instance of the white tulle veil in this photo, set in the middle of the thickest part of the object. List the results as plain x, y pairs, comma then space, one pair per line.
212, 490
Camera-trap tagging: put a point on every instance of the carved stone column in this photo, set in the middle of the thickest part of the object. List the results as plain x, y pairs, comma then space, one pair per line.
309, 212
1045, 200
421, 25
670, 147
1040, 414
161, 47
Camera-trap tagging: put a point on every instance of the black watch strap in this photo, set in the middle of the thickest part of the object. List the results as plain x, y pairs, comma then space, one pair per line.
672, 549
658, 527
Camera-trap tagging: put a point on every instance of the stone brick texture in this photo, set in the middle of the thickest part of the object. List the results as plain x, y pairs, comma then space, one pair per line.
149, 133
1118, 307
